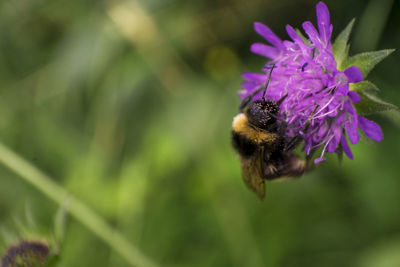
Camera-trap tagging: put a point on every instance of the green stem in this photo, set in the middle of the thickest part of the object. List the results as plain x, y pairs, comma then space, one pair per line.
77, 208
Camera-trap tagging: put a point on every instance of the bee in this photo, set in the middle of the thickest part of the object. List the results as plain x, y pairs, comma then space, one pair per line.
258, 136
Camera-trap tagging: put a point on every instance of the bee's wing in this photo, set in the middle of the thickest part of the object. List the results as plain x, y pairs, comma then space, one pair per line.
252, 174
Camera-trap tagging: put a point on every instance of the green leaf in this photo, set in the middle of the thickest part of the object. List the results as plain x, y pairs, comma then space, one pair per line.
366, 61
364, 86
393, 115
340, 47
371, 104
299, 33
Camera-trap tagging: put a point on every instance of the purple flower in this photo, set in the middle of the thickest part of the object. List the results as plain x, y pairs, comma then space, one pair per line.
306, 70
26, 253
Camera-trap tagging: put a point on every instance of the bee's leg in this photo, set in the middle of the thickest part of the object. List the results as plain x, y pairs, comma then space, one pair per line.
294, 142
279, 102
309, 162
268, 164
284, 124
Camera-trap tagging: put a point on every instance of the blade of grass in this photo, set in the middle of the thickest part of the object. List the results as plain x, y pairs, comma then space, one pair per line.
78, 209
372, 24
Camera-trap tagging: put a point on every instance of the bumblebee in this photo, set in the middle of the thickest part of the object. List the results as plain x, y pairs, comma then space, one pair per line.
259, 138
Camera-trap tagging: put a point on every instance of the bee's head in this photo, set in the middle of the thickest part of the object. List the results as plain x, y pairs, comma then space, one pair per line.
262, 113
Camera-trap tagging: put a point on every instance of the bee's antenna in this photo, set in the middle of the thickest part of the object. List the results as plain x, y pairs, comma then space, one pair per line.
248, 99
268, 79
279, 102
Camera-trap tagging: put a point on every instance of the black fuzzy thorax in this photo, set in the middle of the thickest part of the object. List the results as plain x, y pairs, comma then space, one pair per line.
243, 146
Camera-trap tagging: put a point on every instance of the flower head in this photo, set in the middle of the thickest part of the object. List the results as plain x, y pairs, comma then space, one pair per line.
26, 253
317, 90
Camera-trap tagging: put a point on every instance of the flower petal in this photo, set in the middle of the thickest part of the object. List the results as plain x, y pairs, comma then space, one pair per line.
350, 125
323, 22
248, 88
313, 35
345, 147
337, 132
307, 72
318, 160
295, 37
264, 50
354, 74
342, 90
268, 35
370, 128
354, 97
352, 133
251, 76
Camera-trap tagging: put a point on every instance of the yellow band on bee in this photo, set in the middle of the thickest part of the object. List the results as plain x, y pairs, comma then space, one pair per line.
242, 126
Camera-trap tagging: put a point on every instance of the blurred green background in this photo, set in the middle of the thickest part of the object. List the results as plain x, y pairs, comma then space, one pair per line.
128, 105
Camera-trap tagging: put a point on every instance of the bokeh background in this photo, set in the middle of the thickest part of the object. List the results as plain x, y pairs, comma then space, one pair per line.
128, 105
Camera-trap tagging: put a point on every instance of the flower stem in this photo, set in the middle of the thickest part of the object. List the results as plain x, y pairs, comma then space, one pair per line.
77, 208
